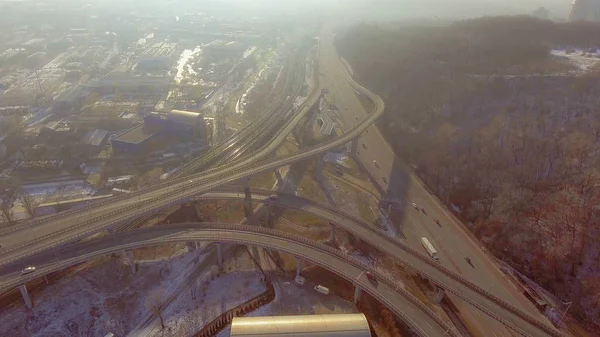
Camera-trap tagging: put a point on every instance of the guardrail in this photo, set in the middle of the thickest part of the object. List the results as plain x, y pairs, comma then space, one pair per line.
214, 232
175, 180
235, 172
382, 235
222, 178
423, 258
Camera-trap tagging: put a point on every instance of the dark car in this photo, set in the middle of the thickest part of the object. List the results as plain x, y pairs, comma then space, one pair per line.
423, 210
371, 277
437, 222
364, 146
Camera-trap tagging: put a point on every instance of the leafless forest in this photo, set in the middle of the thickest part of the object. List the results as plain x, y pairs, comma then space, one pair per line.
503, 130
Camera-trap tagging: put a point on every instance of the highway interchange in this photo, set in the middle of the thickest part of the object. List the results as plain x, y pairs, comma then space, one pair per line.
397, 182
44, 234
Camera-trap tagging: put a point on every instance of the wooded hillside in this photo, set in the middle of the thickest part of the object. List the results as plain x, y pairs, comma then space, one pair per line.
503, 130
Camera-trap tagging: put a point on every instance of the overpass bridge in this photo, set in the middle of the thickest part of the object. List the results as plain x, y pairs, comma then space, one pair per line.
44, 234
387, 290
438, 275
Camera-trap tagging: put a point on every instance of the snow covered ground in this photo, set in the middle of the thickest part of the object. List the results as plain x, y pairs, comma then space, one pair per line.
582, 60
109, 298
214, 296
294, 299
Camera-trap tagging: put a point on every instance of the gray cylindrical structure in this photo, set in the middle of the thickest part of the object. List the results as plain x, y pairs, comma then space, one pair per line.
343, 325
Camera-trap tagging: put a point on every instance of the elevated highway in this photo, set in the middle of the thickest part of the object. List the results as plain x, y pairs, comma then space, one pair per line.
488, 303
44, 234
389, 292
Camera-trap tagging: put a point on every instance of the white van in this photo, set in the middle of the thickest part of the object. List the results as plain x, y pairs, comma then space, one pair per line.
322, 290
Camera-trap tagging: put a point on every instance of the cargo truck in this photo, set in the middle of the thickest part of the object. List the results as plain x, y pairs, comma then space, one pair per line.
429, 248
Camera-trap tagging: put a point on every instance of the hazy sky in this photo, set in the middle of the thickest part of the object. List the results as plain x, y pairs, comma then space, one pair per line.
401, 8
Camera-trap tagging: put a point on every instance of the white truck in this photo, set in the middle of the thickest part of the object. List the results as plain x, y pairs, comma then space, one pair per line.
322, 290
429, 248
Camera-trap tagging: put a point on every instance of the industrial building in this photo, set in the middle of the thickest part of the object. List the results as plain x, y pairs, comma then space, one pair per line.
158, 57
339, 325
136, 140
176, 124
94, 140
125, 83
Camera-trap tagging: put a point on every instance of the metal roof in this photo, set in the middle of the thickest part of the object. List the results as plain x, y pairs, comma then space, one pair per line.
339, 325
184, 117
95, 137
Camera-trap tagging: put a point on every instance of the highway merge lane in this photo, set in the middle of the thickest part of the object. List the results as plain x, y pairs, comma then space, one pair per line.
451, 240
388, 291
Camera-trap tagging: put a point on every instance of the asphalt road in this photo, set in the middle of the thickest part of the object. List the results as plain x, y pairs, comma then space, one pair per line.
65, 227
10, 277
68, 227
386, 290
396, 179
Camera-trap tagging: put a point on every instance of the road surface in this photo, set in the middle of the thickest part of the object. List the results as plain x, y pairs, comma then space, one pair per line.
9, 277
451, 239
418, 316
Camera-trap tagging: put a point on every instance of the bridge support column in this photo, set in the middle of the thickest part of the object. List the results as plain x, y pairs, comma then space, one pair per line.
279, 177
439, 295
130, 260
220, 256
354, 147
299, 263
331, 232
320, 166
357, 292
248, 210
269, 217
191, 246
26, 297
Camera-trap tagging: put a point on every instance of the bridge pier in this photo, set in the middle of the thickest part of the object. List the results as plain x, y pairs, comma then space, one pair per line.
130, 260
299, 263
354, 147
331, 237
269, 216
220, 256
320, 166
357, 292
439, 295
26, 297
280, 181
248, 210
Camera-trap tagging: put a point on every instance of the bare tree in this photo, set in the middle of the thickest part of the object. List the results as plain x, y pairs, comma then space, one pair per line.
6, 213
30, 203
149, 178
156, 302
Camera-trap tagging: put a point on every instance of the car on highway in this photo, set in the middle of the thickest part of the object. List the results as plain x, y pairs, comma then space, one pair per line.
415, 206
364, 146
371, 277
384, 180
273, 197
376, 163
437, 222
27, 270
423, 210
